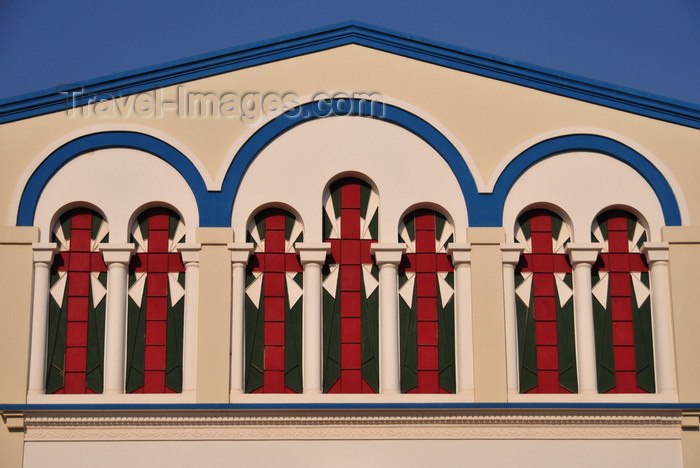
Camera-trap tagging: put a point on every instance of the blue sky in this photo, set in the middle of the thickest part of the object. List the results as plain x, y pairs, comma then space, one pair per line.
649, 45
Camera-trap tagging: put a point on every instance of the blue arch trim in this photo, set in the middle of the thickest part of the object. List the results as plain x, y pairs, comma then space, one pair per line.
215, 207
492, 207
96, 141
344, 107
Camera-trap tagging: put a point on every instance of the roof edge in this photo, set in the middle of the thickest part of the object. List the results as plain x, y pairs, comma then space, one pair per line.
353, 32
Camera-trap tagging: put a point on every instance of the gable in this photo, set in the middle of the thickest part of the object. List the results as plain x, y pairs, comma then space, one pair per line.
474, 102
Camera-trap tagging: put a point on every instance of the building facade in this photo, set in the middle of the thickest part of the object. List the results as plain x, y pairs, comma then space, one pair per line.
349, 247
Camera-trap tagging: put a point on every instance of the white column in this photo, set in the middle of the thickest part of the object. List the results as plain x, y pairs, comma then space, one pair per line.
461, 260
240, 252
116, 257
388, 257
657, 257
43, 258
190, 258
511, 257
583, 256
312, 257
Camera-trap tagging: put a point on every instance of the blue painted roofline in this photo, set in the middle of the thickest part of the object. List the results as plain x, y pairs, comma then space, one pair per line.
406, 45
343, 406
215, 207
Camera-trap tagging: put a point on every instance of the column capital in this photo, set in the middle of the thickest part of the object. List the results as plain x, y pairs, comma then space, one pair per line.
312, 252
655, 251
388, 253
511, 253
460, 253
189, 252
44, 252
117, 253
583, 252
240, 251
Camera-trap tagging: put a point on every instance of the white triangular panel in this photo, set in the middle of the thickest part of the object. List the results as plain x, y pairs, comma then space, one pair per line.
638, 232
177, 292
297, 229
60, 238
406, 291
372, 207
141, 243
597, 232
253, 231
562, 238
58, 290
441, 244
446, 291
136, 289
179, 234
600, 289
641, 291
563, 290
406, 239
254, 289
370, 281
294, 291
525, 289
330, 284
330, 211
521, 239
97, 290
101, 234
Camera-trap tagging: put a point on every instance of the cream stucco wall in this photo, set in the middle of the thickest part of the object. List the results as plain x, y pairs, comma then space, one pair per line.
214, 315
488, 121
353, 453
16, 280
685, 296
488, 319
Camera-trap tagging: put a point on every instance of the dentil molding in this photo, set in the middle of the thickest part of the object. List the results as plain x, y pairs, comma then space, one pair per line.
349, 426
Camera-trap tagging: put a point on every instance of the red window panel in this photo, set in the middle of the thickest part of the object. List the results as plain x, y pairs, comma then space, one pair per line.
623, 314
157, 320
273, 364
75, 357
350, 251
425, 262
542, 316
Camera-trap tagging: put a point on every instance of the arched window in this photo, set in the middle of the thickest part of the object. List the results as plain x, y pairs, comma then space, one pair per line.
351, 293
77, 305
622, 306
544, 305
426, 304
156, 304
273, 305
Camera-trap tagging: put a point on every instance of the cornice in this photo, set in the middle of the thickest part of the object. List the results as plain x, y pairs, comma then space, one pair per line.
348, 426
405, 45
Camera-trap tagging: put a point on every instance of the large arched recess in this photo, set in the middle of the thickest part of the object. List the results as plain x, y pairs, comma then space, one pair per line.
490, 210
357, 108
103, 140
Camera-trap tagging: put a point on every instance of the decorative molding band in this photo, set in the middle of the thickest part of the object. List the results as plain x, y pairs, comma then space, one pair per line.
353, 426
